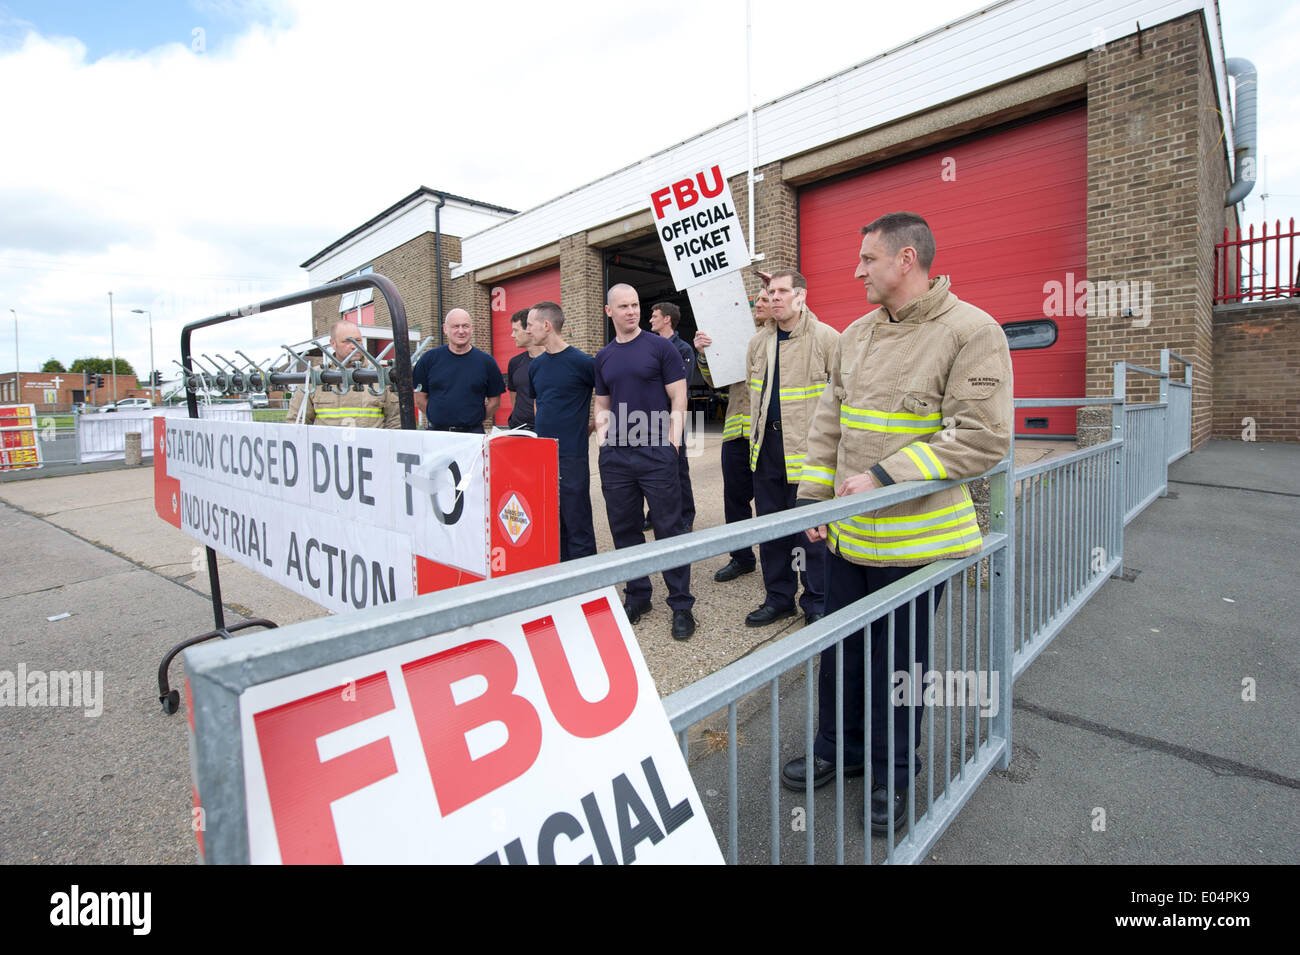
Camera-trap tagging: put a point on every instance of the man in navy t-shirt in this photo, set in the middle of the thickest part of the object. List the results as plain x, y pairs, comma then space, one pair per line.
561, 379
457, 386
640, 417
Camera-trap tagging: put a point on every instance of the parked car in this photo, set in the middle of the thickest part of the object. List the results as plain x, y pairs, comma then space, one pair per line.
258, 399
128, 404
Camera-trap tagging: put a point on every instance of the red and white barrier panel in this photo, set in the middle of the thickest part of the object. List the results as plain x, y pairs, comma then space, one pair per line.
357, 517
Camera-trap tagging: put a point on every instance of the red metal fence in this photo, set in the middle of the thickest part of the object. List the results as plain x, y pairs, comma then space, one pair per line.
1252, 268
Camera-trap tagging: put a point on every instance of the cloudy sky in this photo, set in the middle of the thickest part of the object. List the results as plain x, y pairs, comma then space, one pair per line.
186, 156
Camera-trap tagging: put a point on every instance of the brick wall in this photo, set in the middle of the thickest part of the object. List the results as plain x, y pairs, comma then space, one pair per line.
411, 266
776, 221
1156, 177
582, 293
1257, 370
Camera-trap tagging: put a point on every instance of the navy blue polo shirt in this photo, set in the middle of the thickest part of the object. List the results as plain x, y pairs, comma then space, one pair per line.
457, 386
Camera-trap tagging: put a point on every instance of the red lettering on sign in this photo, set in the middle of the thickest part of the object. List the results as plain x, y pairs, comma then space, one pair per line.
301, 787
717, 183
579, 716
685, 194
661, 201
458, 779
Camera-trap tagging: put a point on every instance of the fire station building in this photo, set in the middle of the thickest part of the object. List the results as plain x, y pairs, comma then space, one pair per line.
1074, 165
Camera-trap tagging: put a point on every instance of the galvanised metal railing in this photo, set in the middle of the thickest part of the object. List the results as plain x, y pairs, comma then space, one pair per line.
971, 637
1146, 430
1055, 536
1070, 538
102, 437
1178, 395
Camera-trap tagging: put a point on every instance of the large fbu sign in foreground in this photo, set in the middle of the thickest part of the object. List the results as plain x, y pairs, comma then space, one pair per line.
535, 738
358, 517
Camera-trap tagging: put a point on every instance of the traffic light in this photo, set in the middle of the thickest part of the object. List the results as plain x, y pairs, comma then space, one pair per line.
90, 379
99, 381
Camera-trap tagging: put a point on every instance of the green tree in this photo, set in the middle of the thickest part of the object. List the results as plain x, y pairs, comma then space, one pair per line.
100, 366
53, 366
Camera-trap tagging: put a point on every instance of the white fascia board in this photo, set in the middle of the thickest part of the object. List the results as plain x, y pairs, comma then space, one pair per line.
985, 49
401, 226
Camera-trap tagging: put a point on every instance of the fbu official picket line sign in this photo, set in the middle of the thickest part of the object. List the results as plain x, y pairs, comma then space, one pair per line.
695, 217
534, 738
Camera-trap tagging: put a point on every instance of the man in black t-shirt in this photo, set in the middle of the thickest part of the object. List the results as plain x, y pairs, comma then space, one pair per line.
521, 414
457, 386
664, 319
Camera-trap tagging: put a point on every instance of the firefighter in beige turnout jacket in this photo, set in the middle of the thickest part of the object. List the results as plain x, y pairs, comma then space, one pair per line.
920, 389
737, 479
788, 363
351, 409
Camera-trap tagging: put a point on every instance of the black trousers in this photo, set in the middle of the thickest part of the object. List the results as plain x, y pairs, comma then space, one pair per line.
629, 477
577, 532
781, 557
688, 495
846, 583
737, 491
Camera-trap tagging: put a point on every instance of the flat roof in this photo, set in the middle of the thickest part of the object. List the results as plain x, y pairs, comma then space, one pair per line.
406, 200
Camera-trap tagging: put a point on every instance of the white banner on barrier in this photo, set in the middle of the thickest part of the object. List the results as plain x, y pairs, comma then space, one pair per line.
537, 737
338, 515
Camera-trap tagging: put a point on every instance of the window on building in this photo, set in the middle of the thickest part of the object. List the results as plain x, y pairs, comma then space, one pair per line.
1039, 334
353, 301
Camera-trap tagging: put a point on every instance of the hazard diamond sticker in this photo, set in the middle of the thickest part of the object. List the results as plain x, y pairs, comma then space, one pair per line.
514, 518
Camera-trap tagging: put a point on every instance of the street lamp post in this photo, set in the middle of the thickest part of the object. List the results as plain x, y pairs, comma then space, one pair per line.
149, 315
18, 365
112, 337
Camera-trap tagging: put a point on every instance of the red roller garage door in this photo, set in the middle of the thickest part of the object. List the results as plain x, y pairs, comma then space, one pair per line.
1009, 214
509, 296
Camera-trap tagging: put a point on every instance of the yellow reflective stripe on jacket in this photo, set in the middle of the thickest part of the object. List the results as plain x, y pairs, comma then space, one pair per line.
945, 530
349, 412
933, 546
756, 384
736, 426
800, 393
926, 461
794, 467
819, 475
963, 512
889, 422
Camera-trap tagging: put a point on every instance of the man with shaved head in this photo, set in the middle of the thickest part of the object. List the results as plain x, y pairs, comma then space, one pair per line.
640, 419
457, 386
357, 408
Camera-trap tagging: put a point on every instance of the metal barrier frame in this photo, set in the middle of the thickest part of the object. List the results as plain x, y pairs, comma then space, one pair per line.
401, 379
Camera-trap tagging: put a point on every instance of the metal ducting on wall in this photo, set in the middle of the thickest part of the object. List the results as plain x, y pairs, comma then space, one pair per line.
1243, 129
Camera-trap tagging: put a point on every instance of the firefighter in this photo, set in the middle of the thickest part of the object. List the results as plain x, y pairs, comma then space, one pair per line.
357, 408
737, 481
788, 366
920, 389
